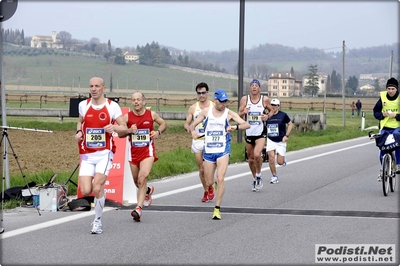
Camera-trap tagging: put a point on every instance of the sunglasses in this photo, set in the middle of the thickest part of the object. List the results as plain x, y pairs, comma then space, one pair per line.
223, 101
201, 92
274, 104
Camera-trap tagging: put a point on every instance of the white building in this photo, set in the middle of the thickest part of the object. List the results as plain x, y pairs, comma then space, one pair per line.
52, 41
281, 85
322, 79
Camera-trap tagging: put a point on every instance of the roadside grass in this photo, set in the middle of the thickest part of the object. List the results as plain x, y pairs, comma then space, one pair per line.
182, 161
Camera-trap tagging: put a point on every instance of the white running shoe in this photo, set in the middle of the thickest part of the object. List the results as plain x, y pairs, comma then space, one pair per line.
148, 199
380, 175
397, 168
259, 183
253, 186
97, 228
274, 180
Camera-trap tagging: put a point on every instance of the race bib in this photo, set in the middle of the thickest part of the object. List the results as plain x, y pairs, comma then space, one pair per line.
254, 118
200, 128
272, 130
95, 138
215, 142
141, 138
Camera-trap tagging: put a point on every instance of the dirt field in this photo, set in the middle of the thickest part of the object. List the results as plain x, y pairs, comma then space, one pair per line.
58, 151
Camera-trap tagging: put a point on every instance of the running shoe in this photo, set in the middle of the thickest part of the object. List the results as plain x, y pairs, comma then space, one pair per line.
147, 199
380, 176
253, 186
397, 168
216, 214
259, 183
284, 163
274, 179
215, 186
205, 197
97, 228
137, 213
210, 195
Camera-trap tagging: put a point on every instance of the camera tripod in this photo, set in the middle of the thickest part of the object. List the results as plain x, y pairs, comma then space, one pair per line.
6, 139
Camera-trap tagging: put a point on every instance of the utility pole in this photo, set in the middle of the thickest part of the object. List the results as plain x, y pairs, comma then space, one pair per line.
343, 88
391, 65
240, 65
7, 10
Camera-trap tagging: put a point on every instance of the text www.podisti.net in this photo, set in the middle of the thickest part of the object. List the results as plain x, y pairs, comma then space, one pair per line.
355, 253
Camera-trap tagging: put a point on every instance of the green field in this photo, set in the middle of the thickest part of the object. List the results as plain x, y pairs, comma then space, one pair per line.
72, 74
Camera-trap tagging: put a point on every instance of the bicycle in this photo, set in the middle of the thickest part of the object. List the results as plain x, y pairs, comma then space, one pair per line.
388, 161
264, 154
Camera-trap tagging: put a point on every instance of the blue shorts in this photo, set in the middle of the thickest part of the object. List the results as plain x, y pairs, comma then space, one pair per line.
213, 157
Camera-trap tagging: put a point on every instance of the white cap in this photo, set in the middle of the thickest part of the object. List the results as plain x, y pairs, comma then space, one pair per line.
275, 101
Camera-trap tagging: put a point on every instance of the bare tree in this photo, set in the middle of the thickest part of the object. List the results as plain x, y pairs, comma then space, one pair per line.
93, 43
263, 71
19, 72
65, 39
252, 71
111, 70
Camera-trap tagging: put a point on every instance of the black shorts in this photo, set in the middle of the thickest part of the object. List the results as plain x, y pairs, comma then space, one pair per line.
252, 139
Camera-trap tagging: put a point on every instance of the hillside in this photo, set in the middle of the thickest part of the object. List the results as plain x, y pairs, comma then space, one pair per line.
281, 58
60, 73
64, 71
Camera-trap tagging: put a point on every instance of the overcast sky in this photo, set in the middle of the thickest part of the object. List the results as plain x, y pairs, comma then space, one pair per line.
212, 25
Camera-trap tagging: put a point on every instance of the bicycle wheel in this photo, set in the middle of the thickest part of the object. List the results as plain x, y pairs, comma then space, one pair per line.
386, 172
264, 155
392, 179
392, 182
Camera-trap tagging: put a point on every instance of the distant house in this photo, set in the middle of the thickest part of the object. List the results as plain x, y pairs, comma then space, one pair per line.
282, 85
52, 41
368, 89
374, 76
322, 79
131, 57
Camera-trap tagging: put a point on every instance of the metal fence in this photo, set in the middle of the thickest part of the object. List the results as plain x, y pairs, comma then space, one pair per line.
63, 100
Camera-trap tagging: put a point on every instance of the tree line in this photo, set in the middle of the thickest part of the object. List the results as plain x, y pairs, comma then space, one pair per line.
255, 65
150, 54
333, 83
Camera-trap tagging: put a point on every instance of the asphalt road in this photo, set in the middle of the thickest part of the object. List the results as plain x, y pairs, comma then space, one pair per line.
326, 195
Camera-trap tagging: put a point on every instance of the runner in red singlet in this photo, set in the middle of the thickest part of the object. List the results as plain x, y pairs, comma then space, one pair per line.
141, 134
96, 145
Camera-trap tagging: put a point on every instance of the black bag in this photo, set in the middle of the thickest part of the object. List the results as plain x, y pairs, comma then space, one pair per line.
81, 204
16, 193
392, 145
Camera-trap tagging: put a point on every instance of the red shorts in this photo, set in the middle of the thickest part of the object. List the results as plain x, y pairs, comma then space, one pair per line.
138, 154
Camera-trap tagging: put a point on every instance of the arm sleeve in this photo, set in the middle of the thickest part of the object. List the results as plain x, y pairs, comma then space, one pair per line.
378, 110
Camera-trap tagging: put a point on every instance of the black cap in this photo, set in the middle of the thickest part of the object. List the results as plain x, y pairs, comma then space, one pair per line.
392, 82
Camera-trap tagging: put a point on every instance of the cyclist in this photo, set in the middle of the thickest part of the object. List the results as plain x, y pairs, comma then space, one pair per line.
386, 110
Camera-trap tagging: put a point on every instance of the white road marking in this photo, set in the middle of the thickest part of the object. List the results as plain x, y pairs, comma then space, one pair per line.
35, 227
172, 192
179, 190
